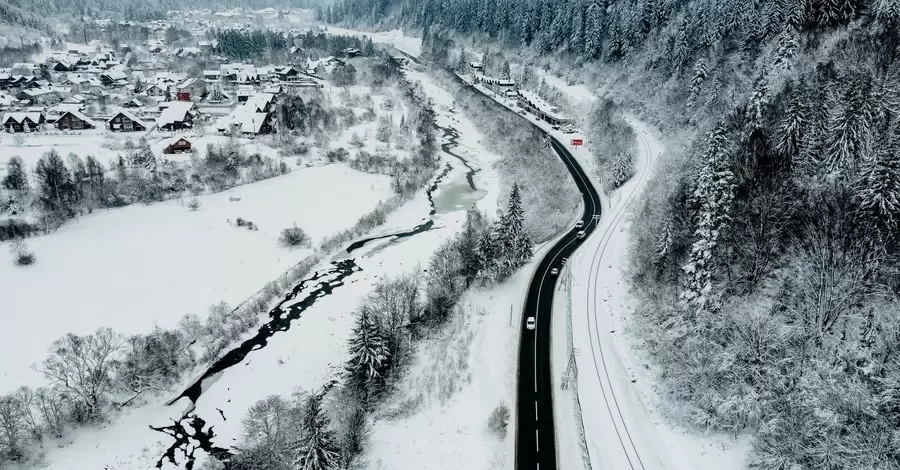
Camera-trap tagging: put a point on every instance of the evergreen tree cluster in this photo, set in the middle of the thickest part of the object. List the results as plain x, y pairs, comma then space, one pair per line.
59, 189
612, 30
765, 252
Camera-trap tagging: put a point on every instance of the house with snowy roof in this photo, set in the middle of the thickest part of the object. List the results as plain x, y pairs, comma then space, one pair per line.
22, 121
191, 88
125, 121
247, 120
74, 120
176, 115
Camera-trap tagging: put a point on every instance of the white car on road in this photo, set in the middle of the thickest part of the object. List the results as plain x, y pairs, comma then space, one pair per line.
530, 323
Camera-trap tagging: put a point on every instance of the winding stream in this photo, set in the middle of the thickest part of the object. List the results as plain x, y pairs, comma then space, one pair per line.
190, 432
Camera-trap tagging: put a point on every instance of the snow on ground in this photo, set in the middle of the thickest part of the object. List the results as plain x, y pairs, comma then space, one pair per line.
395, 38
607, 355
624, 419
146, 265
457, 379
307, 355
106, 146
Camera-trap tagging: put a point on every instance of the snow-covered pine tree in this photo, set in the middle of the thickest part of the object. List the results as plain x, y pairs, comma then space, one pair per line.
462, 65
317, 448
701, 72
788, 45
488, 252
505, 72
879, 187
713, 197
758, 102
517, 247
664, 244
848, 123
680, 49
790, 136
887, 11
468, 245
593, 31
369, 353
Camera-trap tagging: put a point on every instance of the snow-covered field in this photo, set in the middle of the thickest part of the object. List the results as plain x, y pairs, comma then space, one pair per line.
395, 38
306, 356
106, 146
141, 266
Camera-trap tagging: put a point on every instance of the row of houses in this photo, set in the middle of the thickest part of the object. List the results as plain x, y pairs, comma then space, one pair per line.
73, 120
528, 100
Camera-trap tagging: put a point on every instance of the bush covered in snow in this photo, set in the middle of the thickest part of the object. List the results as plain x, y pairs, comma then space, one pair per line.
21, 255
293, 236
498, 421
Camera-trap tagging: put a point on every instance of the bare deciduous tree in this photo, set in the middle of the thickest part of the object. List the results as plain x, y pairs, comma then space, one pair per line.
12, 432
832, 272
83, 366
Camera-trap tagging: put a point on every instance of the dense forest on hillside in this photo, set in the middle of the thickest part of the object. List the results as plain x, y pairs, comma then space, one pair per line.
766, 257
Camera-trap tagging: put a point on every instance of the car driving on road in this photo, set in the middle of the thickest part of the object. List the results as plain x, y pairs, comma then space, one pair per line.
579, 224
554, 271
530, 323
581, 234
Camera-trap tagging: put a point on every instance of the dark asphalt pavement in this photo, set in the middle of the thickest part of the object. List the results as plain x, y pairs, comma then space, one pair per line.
535, 433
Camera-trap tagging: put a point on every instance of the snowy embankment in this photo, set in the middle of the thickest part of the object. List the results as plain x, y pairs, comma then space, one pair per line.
143, 266
617, 412
438, 416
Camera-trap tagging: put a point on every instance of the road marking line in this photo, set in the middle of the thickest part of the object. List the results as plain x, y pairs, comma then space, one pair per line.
537, 441
535, 411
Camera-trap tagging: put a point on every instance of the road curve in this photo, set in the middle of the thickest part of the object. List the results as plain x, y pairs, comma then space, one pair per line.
535, 433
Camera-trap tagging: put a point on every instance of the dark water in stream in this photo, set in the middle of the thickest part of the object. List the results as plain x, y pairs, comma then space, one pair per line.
190, 432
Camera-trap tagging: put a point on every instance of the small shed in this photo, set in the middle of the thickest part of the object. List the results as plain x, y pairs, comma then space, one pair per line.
178, 145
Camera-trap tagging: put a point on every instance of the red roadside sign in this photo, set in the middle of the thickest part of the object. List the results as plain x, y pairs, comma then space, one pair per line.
577, 142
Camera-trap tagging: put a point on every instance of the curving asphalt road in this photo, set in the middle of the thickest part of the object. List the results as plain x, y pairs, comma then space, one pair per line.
535, 434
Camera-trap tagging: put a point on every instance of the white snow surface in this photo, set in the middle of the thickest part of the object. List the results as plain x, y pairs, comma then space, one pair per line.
395, 38
624, 423
309, 354
623, 416
145, 265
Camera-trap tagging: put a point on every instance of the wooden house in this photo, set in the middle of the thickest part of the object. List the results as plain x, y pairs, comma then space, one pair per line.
176, 115
126, 122
74, 120
22, 122
178, 145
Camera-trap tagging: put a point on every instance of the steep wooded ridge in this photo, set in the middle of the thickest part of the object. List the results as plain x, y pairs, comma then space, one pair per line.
766, 253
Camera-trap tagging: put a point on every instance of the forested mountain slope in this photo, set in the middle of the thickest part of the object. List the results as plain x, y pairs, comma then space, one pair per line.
766, 253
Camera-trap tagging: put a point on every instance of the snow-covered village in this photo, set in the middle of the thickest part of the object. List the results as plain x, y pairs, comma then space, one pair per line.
419, 234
